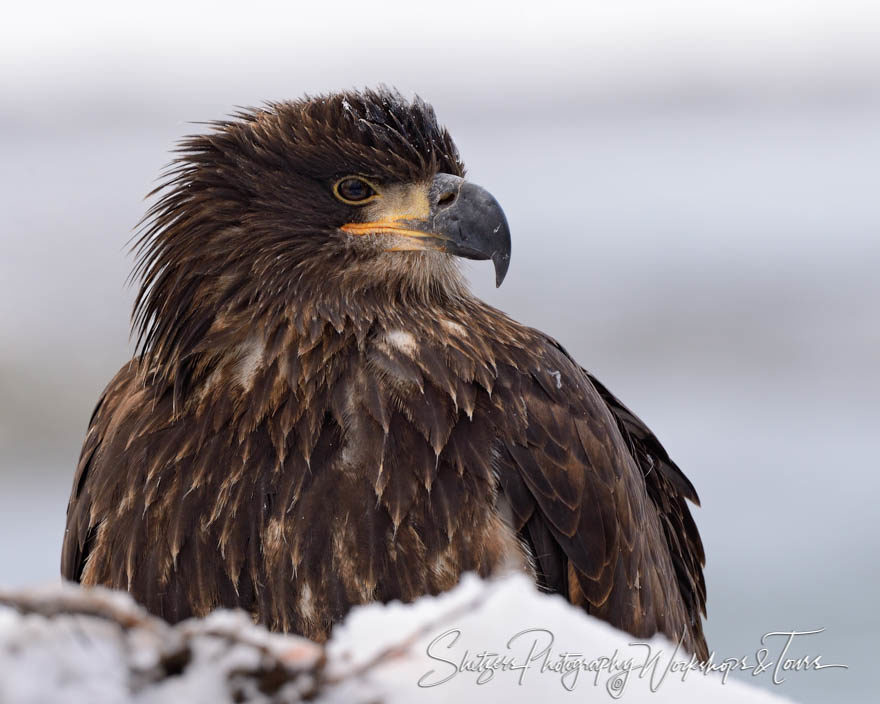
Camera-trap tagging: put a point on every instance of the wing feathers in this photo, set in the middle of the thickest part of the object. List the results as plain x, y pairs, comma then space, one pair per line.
596, 483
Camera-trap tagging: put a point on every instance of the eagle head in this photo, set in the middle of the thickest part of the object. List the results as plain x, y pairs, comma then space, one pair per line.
338, 195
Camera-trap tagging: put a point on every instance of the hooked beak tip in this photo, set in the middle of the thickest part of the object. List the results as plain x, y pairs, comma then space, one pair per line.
501, 261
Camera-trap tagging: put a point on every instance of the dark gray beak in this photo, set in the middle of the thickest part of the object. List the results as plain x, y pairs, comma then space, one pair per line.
469, 221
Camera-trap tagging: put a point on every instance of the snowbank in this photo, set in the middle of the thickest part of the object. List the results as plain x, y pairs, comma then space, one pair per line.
484, 641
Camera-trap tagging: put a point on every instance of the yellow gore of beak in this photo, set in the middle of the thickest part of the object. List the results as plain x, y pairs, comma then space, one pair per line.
400, 210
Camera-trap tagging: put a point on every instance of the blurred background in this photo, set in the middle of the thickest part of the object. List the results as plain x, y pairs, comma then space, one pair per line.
692, 188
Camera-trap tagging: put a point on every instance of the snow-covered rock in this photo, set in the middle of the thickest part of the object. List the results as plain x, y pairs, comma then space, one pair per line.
97, 646
483, 641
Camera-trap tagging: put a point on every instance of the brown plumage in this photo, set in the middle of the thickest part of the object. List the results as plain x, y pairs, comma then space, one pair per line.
321, 415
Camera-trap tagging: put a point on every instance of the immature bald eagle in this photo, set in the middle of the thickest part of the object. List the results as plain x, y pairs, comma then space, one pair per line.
322, 415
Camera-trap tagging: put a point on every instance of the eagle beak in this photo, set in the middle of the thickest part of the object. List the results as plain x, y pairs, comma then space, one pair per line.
463, 219
471, 222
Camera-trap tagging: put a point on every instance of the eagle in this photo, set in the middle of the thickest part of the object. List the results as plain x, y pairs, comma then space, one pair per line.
320, 414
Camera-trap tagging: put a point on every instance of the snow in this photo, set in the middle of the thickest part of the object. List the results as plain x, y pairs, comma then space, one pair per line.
484, 616
67, 644
98, 647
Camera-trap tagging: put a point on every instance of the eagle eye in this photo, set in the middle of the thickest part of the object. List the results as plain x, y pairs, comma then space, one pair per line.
354, 190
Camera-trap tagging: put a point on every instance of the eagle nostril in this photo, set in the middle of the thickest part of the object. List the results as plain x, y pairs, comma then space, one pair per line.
447, 198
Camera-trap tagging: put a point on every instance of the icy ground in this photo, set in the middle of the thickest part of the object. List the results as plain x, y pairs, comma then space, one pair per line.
66, 644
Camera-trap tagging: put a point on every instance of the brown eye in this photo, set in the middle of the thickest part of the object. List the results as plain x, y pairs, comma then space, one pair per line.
353, 190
